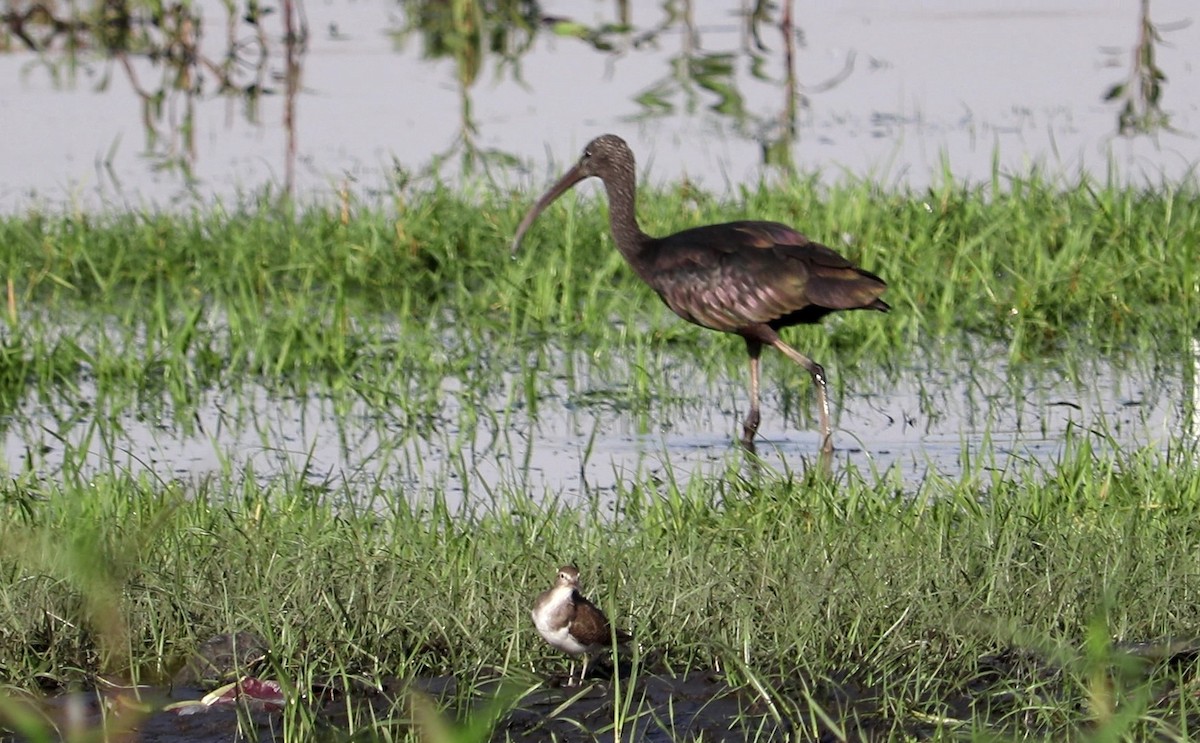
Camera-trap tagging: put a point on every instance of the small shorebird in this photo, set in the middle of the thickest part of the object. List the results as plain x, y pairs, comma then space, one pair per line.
571, 623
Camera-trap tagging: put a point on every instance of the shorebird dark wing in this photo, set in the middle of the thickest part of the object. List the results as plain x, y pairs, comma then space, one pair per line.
589, 625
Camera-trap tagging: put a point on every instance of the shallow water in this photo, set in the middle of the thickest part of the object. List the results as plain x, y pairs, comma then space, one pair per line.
944, 414
895, 92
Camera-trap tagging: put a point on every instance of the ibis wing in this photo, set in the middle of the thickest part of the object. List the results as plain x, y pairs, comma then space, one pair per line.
738, 274
813, 275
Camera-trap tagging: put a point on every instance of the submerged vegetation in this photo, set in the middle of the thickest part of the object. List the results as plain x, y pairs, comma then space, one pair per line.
1051, 600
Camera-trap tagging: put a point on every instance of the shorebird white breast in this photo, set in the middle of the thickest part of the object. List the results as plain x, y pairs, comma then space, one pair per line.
568, 621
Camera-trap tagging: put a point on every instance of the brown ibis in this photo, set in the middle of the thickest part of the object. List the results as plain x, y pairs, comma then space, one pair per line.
748, 278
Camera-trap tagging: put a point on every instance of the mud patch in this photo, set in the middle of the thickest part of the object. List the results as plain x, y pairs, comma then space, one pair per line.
1014, 691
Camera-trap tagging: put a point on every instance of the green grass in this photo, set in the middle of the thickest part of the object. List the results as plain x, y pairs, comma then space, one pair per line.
274, 294
780, 583
991, 604
384, 303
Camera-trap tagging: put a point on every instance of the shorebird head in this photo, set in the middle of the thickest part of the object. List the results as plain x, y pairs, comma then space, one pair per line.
568, 575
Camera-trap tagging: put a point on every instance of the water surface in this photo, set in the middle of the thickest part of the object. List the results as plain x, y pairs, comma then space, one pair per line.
898, 93
895, 92
591, 435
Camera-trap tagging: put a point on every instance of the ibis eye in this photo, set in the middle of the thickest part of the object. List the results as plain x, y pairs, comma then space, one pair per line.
587, 154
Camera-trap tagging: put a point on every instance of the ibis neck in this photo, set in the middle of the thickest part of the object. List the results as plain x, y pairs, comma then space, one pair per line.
622, 214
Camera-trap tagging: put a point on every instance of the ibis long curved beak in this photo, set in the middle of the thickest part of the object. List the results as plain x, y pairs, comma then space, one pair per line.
570, 178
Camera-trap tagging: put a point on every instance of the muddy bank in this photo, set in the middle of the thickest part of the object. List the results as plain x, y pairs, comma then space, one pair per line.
1013, 692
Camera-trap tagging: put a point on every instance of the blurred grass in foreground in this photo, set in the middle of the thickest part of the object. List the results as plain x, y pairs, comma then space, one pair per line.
779, 583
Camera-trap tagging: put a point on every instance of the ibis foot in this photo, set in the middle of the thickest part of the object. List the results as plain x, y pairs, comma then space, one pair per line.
749, 429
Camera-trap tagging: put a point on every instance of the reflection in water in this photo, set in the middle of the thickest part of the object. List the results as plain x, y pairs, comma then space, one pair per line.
465, 31
716, 87
159, 48
777, 149
1140, 94
694, 75
777, 137
695, 78
295, 44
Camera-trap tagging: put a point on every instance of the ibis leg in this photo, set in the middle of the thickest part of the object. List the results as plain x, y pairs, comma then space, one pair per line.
818, 375
750, 426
